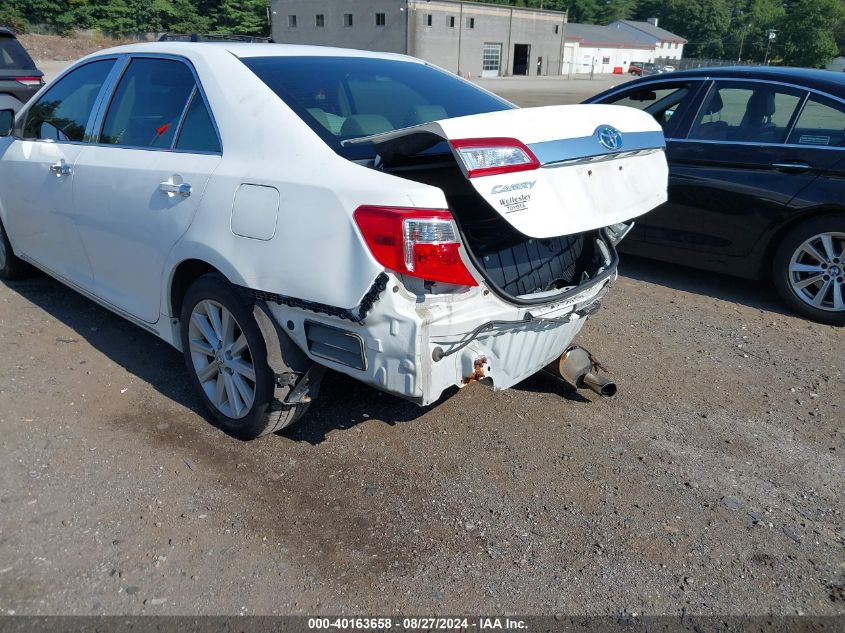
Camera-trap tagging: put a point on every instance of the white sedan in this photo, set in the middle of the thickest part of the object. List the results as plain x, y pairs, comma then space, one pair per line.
275, 210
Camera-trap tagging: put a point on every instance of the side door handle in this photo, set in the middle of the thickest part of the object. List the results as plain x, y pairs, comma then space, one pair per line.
60, 169
171, 189
790, 166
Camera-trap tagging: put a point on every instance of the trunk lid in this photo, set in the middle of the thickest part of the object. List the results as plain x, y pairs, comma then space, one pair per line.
598, 164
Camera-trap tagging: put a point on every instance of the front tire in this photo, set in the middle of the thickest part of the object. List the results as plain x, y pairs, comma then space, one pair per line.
11, 266
808, 269
226, 358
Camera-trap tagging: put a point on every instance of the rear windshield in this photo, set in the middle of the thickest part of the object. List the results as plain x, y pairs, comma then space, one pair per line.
349, 97
12, 55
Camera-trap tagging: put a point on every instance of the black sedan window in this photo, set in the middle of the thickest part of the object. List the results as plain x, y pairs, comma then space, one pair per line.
660, 100
349, 97
755, 112
821, 123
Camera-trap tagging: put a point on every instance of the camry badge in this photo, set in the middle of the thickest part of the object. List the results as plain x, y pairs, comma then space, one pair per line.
609, 137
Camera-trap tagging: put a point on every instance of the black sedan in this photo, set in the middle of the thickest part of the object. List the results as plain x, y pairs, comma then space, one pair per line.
757, 178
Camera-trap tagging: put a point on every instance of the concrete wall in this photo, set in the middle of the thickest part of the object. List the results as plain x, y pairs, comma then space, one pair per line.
455, 39
363, 34
460, 48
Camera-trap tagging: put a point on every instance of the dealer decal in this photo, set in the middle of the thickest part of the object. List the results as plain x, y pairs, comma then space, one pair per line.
515, 203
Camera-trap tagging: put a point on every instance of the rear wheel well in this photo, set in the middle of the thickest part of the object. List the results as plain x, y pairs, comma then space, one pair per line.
783, 231
186, 273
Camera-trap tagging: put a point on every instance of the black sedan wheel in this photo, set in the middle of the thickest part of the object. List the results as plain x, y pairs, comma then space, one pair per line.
809, 269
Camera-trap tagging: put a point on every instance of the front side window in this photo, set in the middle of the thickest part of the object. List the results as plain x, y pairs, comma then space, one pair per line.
148, 104
62, 113
342, 98
749, 112
821, 123
661, 101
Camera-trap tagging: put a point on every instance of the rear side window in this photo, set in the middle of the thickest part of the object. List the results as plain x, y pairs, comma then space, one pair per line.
821, 123
349, 97
753, 112
62, 112
13, 56
198, 133
148, 104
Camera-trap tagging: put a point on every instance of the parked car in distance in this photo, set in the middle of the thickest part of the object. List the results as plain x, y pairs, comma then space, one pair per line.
644, 68
19, 78
275, 210
668, 69
757, 178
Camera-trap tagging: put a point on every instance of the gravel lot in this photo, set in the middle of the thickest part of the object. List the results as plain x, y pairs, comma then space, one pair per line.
712, 484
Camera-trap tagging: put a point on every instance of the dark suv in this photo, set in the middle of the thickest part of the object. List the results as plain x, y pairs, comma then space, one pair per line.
19, 78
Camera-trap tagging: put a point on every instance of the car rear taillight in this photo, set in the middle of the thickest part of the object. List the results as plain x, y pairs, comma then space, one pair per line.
29, 81
491, 156
422, 243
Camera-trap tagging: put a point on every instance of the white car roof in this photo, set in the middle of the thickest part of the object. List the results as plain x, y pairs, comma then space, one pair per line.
244, 50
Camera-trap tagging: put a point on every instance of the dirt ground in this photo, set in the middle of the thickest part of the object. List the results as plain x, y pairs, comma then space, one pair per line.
712, 484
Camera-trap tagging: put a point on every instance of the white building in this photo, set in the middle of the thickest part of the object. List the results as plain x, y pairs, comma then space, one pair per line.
602, 49
667, 45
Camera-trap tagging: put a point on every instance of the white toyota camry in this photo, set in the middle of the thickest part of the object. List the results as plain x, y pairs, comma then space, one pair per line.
275, 210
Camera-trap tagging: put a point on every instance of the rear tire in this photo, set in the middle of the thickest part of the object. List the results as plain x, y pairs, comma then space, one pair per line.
11, 267
226, 358
808, 269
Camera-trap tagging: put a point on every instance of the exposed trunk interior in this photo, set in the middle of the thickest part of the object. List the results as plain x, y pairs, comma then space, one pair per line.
518, 266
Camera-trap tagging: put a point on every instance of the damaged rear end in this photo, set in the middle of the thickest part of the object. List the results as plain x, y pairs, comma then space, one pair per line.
504, 276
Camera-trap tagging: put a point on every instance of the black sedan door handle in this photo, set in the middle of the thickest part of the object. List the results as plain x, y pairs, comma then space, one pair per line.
794, 167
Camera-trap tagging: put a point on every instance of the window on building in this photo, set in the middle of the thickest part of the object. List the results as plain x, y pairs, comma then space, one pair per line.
605, 60
451, 21
291, 21
470, 23
557, 29
381, 19
347, 19
428, 20
320, 20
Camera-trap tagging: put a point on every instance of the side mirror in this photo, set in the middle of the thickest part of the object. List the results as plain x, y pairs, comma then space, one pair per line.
7, 122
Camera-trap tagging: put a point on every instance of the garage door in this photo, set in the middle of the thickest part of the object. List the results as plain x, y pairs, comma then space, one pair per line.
491, 60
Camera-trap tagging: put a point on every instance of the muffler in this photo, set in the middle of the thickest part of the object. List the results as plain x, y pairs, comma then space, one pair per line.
578, 367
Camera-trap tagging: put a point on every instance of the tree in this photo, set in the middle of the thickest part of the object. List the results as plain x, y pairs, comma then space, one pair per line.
806, 34
585, 11
705, 23
245, 17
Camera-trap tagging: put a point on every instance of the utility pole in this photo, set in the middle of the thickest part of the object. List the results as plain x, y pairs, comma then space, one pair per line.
772, 35
742, 42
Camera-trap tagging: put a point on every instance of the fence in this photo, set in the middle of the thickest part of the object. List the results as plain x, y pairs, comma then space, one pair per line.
686, 64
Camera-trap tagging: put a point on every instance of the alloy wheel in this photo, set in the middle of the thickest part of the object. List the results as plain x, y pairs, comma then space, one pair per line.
222, 359
817, 272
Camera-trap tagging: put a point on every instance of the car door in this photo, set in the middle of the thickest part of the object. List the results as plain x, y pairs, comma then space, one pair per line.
733, 173
671, 103
137, 189
37, 177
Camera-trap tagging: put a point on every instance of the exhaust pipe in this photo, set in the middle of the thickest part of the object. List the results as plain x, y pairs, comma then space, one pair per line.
578, 367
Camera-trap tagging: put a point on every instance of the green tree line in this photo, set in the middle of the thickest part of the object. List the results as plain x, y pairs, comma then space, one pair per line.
806, 32
122, 17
